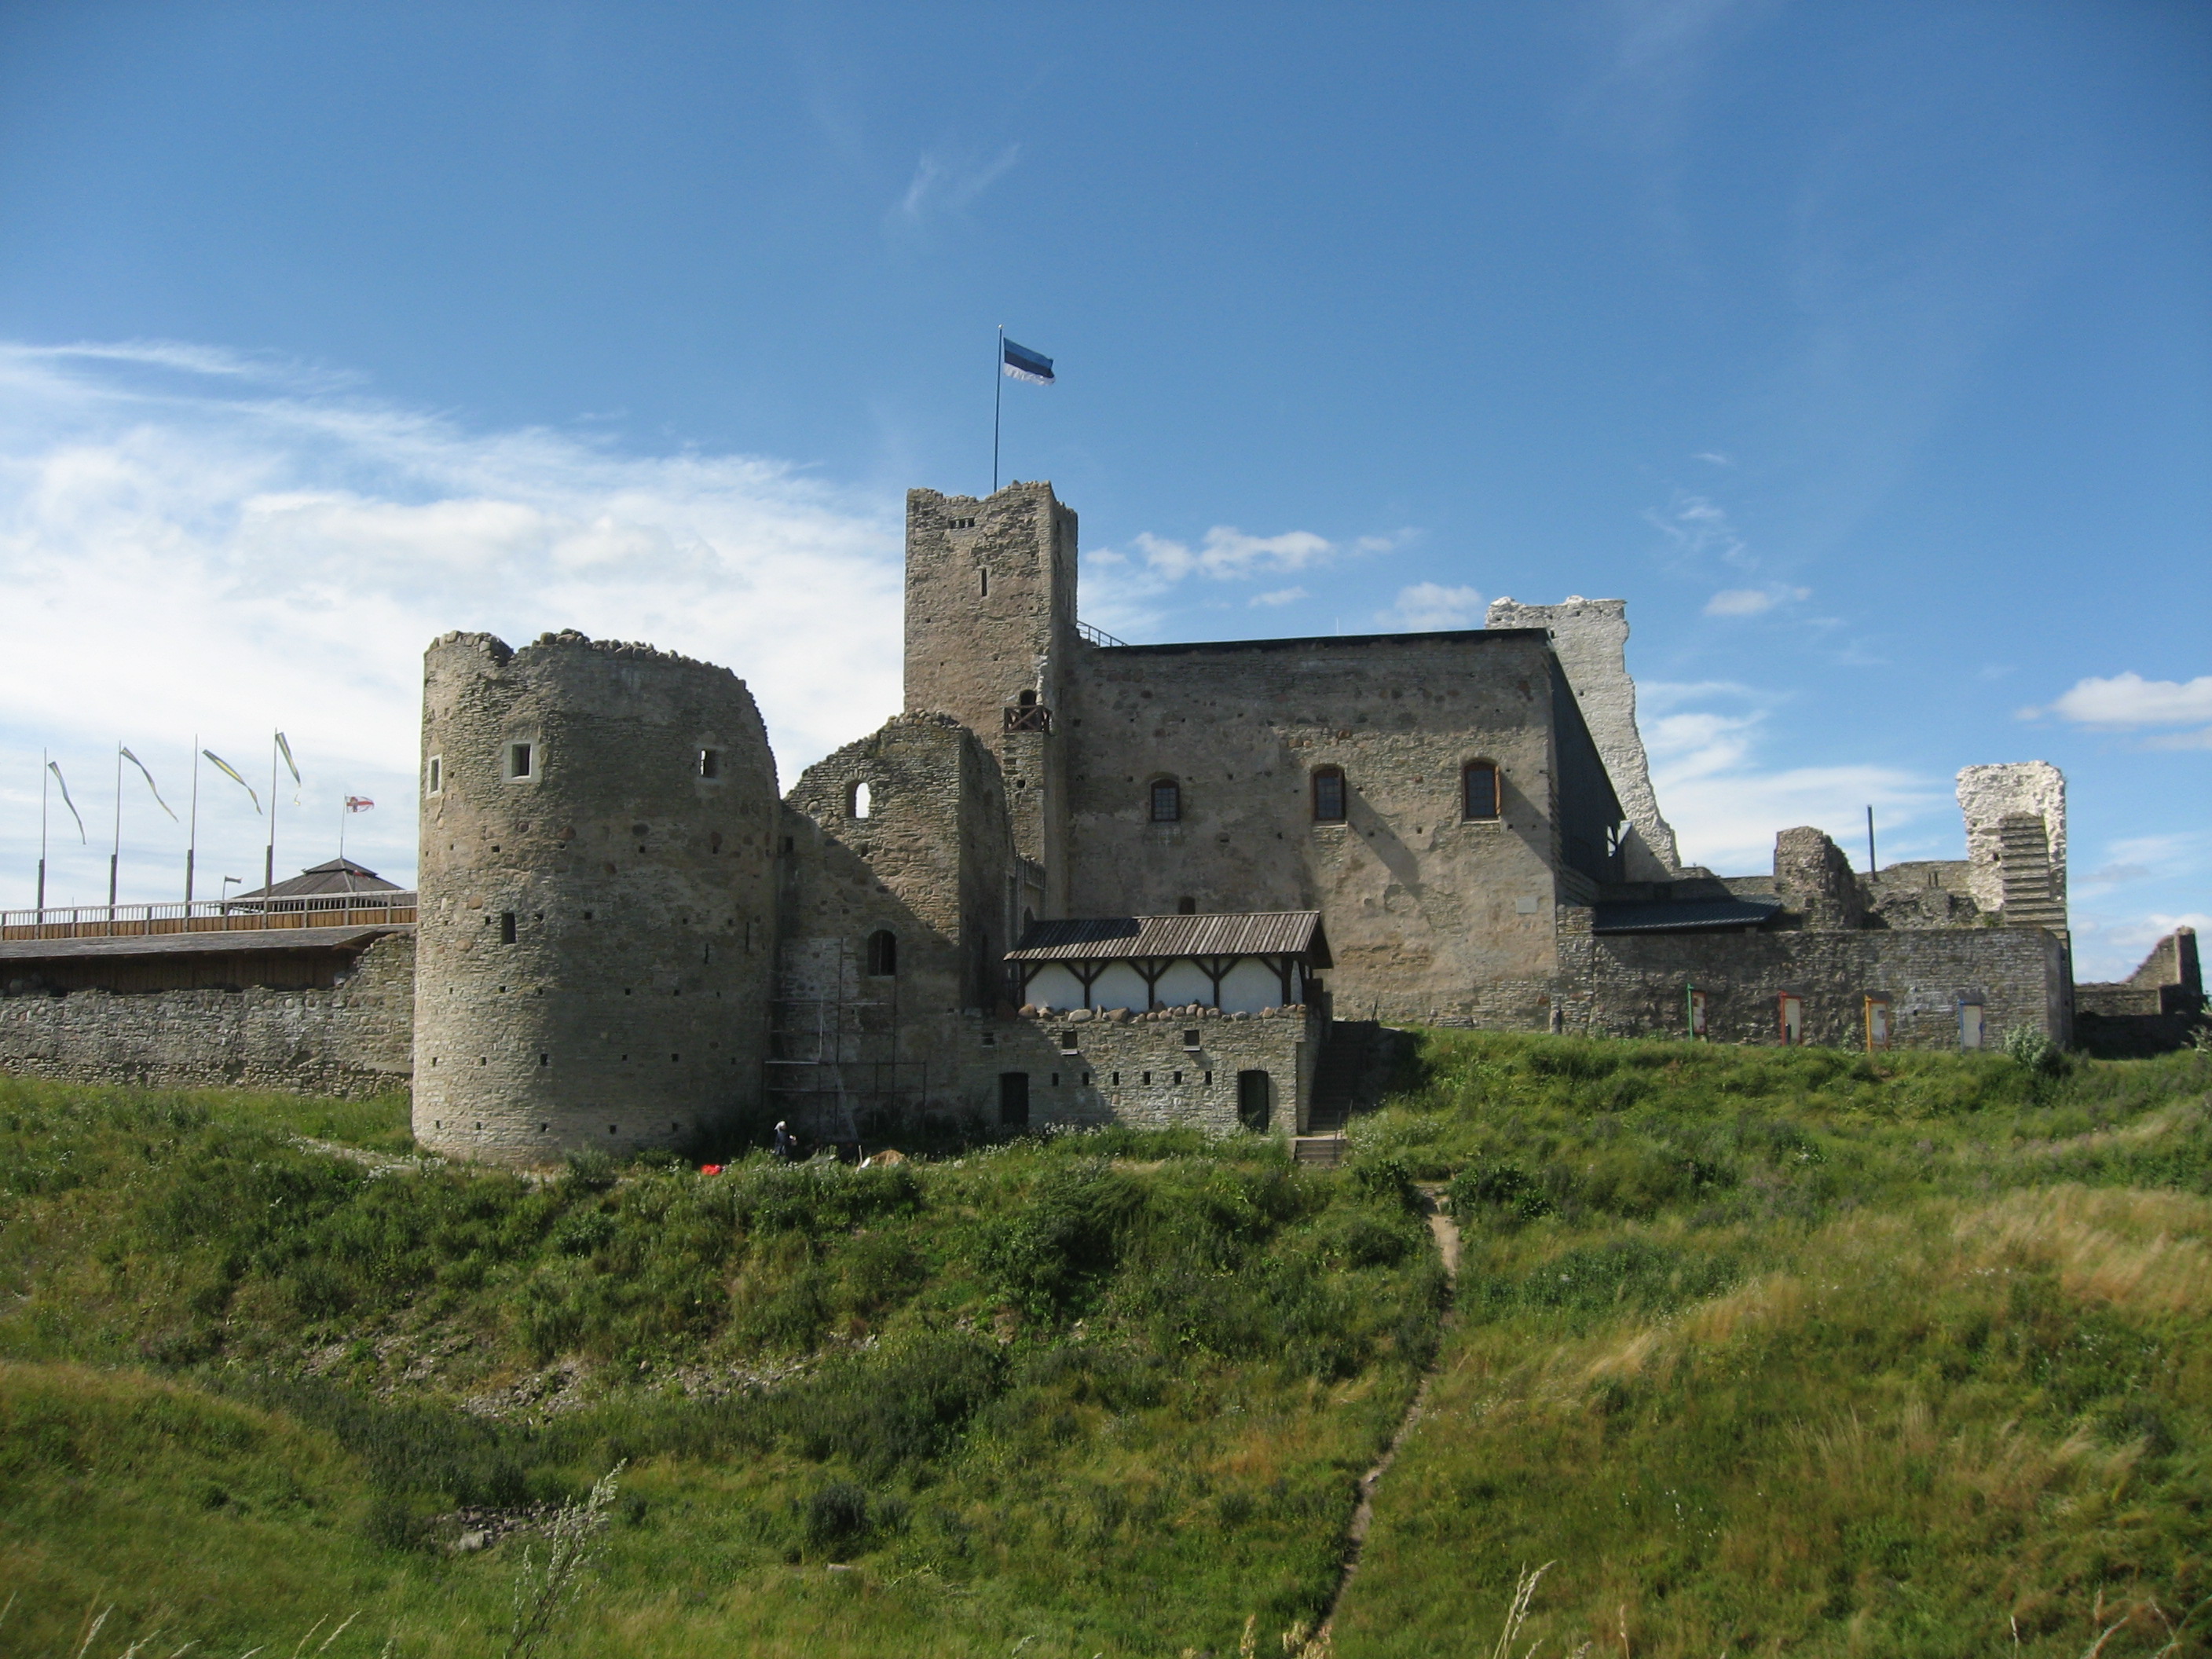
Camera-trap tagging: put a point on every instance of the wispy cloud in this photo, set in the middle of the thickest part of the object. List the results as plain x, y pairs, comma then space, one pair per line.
1429, 607
1121, 588
1752, 601
228, 553
945, 184
1713, 456
1697, 531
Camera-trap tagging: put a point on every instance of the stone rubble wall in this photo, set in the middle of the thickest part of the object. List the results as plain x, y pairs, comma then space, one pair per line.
1635, 984
353, 1039
1138, 1070
1989, 794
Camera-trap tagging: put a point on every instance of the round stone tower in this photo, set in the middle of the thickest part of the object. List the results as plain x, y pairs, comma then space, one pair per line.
598, 902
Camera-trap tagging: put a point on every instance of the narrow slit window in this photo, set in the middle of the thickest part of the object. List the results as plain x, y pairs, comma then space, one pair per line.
507, 927
1478, 789
1329, 795
710, 762
434, 779
1167, 801
983, 584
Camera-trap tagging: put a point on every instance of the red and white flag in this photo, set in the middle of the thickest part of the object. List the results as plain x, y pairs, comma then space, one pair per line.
358, 803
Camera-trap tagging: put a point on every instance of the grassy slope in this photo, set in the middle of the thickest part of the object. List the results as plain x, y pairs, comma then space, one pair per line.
1778, 1352
1108, 1405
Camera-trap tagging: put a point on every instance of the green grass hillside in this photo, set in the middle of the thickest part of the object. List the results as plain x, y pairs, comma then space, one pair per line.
1769, 1352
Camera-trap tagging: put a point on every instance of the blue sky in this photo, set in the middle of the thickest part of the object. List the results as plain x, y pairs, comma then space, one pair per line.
1865, 350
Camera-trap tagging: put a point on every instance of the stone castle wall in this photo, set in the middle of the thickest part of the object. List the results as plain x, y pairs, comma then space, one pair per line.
1423, 909
351, 1038
1635, 984
1143, 1071
597, 931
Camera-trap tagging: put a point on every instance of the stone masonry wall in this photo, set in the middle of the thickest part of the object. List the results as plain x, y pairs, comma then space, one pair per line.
1591, 638
353, 1039
1426, 912
1634, 984
1140, 1070
596, 937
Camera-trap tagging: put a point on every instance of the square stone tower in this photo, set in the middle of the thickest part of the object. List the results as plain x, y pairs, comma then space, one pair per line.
990, 628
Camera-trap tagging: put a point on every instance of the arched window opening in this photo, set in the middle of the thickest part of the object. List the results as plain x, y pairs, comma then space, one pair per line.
1478, 790
860, 802
1329, 795
882, 954
1167, 801
1027, 699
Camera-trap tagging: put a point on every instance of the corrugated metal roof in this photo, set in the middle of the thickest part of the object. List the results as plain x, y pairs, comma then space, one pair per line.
1110, 938
1682, 917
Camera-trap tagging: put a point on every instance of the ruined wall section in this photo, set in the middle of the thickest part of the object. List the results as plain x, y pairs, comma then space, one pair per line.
858, 1051
353, 1038
1428, 914
1636, 984
597, 928
2016, 839
990, 616
1591, 638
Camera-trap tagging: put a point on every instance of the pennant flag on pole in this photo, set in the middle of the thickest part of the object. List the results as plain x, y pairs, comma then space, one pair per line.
1023, 364
150, 784
231, 772
358, 803
285, 749
55, 767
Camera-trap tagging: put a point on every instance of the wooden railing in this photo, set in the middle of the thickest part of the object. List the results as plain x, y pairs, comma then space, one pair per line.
210, 916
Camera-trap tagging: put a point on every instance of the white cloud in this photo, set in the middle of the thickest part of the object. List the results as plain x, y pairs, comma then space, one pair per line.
228, 552
1279, 596
1227, 553
1431, 607
1713, 456
1726, 808
2129, 701
1751, 601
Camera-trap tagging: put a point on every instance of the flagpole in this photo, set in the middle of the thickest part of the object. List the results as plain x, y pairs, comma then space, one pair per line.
43, 758
192, 834
268, 865
115, 858
344, 812
998, 398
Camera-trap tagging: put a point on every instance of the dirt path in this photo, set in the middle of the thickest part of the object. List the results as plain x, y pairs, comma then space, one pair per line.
1446, 1231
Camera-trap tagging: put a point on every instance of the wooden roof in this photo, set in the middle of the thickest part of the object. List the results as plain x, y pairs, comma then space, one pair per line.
1238, 933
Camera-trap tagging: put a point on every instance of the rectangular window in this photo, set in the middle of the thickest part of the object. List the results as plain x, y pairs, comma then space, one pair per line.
1328, 796
434, 778
507, 927
1479, 791
710, 762
1068, 1042
1014, 1099
1167, 801
521, 758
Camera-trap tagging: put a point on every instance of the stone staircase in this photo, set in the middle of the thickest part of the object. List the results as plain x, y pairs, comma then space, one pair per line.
2024, 867
1344, 1056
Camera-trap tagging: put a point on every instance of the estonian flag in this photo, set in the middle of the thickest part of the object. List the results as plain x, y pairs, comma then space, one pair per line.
1023, 364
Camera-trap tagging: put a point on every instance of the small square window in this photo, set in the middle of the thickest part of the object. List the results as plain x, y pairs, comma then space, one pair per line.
1190, 1039
1068, 1042
521, 761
